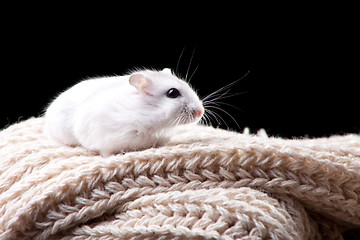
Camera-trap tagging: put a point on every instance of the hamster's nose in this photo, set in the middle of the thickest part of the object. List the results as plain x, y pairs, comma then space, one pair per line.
198, 113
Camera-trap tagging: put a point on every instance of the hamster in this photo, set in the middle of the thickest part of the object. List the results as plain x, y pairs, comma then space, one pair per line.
122, 113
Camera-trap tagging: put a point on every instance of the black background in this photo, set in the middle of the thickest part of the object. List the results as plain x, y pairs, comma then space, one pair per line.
302, 59
303, 65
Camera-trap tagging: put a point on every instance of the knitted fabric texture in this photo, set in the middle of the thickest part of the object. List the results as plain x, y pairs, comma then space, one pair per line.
205, 184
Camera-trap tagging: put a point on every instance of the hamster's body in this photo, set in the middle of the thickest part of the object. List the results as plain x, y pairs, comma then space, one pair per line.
122, 113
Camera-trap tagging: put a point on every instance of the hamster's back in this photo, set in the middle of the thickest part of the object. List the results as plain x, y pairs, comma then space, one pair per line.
60, 113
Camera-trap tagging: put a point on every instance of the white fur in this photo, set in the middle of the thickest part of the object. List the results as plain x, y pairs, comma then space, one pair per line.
112, 115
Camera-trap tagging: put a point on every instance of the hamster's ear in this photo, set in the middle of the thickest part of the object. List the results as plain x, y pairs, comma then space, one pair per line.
167, 70
141, 83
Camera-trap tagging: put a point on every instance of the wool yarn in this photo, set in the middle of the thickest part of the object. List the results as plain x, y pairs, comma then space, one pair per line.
206, 183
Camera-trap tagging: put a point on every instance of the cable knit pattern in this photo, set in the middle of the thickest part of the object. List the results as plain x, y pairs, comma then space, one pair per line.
205, 184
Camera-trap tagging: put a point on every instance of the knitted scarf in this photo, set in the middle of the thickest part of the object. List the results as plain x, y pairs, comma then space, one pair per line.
206, 183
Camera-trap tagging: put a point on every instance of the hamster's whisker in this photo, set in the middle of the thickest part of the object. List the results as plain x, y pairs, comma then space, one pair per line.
179, 119
217, 118
212, 116
219, 103
219, 91
187, 72
218, 108
226, 87
178, 62
213, 96
222, 96
193, 73
182, 118
172, 123
218, 94
206, 119
168, 124
202, 121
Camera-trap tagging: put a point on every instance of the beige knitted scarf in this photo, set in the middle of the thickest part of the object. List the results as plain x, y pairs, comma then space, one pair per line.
206, 184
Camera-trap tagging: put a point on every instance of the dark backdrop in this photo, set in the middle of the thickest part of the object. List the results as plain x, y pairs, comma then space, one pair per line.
302, 81
302, 59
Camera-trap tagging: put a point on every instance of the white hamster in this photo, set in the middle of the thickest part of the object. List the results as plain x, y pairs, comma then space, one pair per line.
122, 113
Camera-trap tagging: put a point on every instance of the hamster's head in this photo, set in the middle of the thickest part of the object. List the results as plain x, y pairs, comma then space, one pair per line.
171, 100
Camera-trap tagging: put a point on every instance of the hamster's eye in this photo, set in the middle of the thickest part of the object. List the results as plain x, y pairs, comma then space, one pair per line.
173, 93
